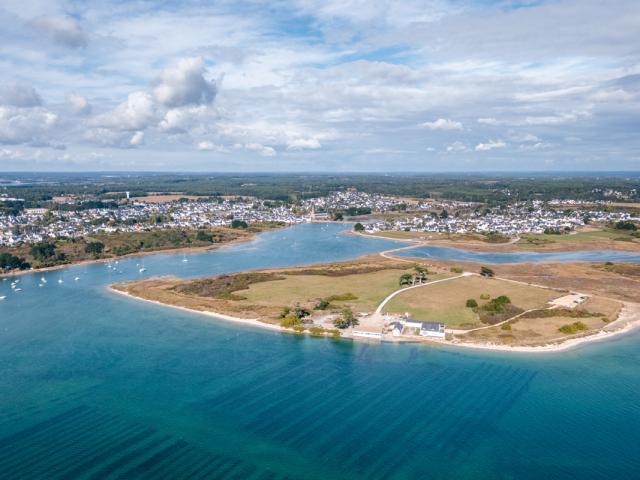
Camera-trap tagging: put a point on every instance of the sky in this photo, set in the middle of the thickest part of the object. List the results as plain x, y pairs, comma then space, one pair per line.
327, 86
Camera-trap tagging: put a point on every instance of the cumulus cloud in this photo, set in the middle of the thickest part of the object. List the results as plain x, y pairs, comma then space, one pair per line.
63, 30
303, 143
136, 113
490, 145
19, 95
262, 150
136, 139
442, 124
457, 147
24, 125
205, 145
185, 84
79, 104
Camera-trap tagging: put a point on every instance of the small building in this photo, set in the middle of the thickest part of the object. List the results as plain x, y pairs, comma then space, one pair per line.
432, 329
426, 329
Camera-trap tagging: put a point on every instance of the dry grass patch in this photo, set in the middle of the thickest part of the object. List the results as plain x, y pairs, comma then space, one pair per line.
446, 302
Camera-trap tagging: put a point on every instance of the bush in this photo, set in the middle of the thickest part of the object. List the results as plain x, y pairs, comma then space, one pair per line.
506, 326
290, 321
471, 303
358, 227
239, 224
316, 331
485, 296
10, 262
43, 251
204, 236
572, 328
94, 248
621, 225
346, 319
486, 272
455, 270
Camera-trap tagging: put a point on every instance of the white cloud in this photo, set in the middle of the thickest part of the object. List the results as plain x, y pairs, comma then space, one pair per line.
442, 124
457, 147
79, 104
303, 143
490, 145
10, 154
262, 150
25, 125
185, 84
136, 113
137, 139
205, 145
63, 30
19, 95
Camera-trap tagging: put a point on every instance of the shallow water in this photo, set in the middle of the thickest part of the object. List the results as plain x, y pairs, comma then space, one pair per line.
95, 385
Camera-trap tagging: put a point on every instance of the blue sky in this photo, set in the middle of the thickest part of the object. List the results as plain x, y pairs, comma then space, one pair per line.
307, 85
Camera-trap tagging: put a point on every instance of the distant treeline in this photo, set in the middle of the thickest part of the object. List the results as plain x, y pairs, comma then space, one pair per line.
487, 188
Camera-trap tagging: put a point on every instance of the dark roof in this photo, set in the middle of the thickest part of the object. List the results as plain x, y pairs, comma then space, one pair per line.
432, 326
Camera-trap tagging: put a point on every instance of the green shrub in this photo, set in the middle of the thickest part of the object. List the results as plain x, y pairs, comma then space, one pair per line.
290, 321
506, 326
316, 331
455, 270
485, 296
471, 303
572, 328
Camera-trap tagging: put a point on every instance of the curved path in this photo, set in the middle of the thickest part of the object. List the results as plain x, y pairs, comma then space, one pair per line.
390, 296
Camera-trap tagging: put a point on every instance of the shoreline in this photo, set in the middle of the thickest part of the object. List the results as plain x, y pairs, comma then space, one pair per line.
169, 251
220, 316
628, 319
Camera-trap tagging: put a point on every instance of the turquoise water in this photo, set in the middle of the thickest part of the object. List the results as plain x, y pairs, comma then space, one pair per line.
94, 385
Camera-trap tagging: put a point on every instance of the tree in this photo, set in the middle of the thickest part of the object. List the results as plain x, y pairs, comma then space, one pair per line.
10, 262
43, 251
444, 214
471, 303
346, 319
239, 224
94, 248
338, 216
405, 279
486, 272
626, 226
204, 236
358, 227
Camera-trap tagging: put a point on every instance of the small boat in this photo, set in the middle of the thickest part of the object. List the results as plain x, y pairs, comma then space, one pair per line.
41, 284
142, 270
60, 280
43, 280
77, 278
18, 290
184, 258
3, 297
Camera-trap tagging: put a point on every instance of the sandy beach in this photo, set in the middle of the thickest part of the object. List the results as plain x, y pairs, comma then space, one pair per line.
628, 319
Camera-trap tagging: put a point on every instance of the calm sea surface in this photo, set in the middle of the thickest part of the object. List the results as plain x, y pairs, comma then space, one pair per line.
94, 385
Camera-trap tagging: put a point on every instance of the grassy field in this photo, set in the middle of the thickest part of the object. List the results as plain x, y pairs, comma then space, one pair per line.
368, 282
579, 238
445, 302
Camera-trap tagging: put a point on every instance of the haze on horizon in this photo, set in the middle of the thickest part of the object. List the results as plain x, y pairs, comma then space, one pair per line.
328, 86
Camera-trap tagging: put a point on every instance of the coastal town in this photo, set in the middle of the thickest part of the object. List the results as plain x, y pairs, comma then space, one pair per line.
70, 217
